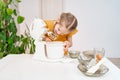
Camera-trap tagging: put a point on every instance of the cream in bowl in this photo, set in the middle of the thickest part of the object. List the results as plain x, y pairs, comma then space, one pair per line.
55, 50
74, 53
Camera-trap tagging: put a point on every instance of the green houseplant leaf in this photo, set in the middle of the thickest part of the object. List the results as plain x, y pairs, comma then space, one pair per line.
18, 0
20, 19
1, 54
9, 11
10, 42
15, 13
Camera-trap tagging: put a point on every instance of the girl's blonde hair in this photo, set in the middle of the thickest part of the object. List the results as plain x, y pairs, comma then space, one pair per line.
69, 20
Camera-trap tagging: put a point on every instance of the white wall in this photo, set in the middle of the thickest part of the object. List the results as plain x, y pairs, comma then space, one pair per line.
51, 9
30, 9
99, 24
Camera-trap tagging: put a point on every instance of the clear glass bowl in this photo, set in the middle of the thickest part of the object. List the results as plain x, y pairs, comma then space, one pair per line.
74, 53
85, 64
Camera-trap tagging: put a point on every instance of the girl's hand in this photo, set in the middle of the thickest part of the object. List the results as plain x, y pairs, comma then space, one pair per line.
47, 39
66, 45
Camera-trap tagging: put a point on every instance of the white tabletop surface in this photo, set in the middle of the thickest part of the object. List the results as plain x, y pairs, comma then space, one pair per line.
24, 67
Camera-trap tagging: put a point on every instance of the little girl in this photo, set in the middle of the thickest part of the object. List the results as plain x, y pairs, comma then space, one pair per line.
64, 28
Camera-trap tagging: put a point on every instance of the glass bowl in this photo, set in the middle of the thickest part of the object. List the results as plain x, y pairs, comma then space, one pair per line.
74, 53
86, 63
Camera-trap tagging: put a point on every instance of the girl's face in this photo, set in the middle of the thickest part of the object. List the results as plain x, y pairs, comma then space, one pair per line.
60, 29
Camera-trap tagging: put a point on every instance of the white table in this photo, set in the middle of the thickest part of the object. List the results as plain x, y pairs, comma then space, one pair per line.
23, 67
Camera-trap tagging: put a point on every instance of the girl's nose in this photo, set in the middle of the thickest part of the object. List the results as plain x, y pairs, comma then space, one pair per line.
58, 32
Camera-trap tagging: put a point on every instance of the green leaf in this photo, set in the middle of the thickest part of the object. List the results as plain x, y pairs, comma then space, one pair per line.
10, 40
15, 13
12, 27
20, 19
9, 11
1, 54
18, 0
10, 1
2, 4
3, 36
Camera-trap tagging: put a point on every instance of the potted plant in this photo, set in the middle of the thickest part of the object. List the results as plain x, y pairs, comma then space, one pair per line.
10, 42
